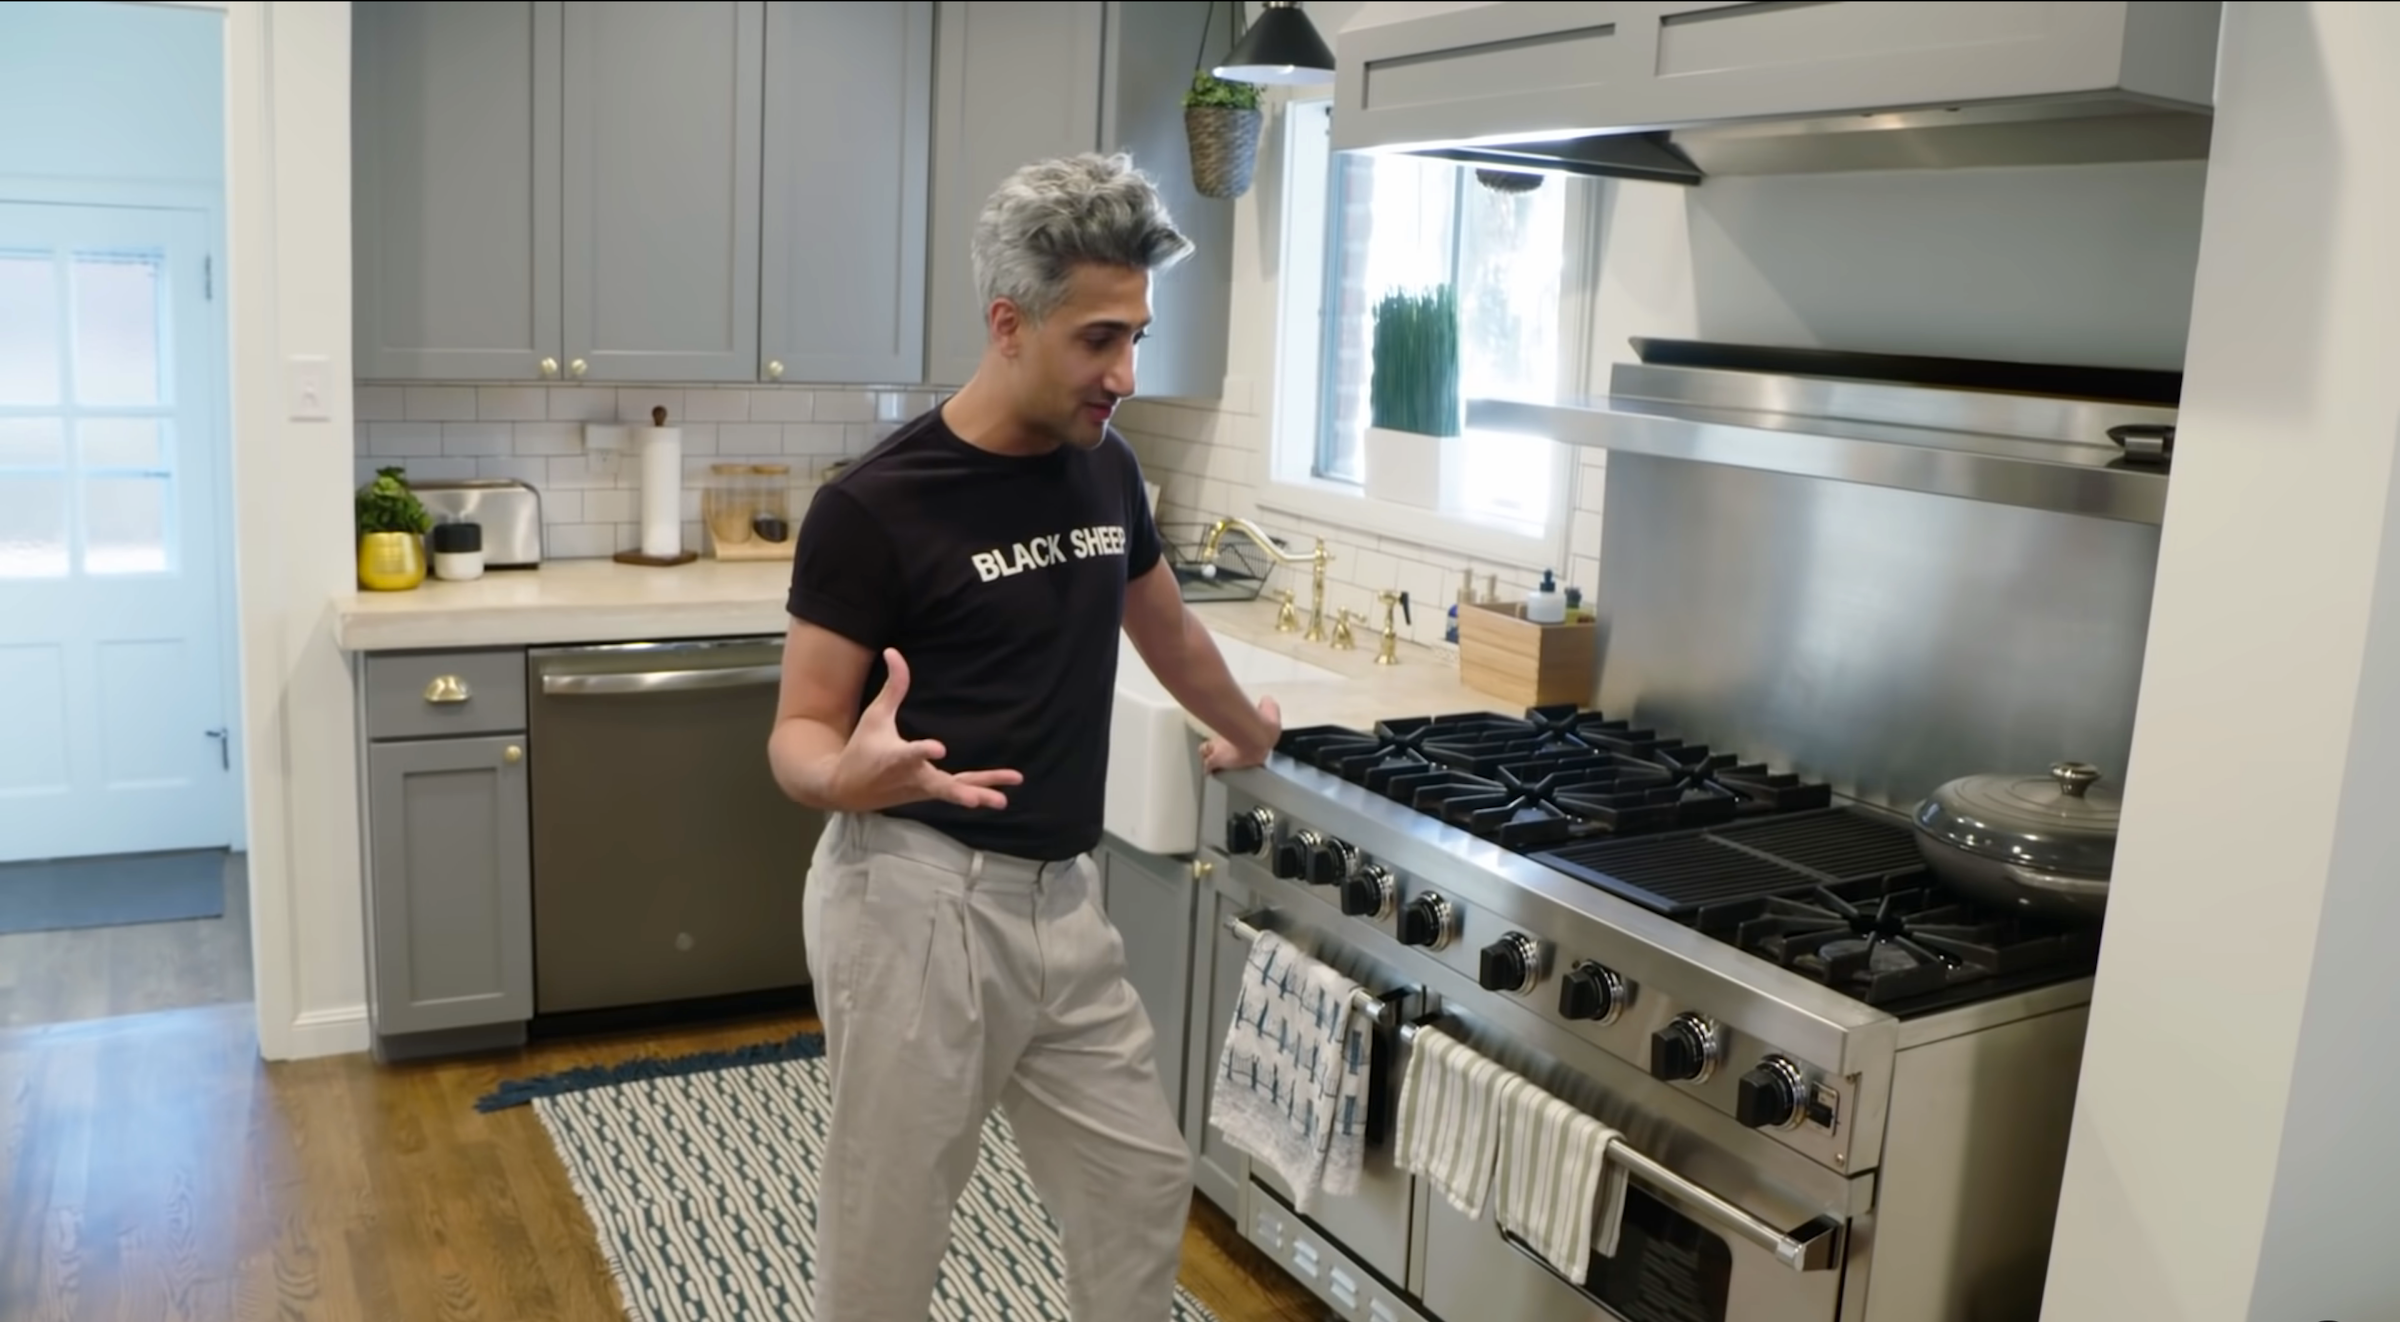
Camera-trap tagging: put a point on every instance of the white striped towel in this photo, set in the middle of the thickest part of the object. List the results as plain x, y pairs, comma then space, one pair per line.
1292, 1077
1558, 1191
1450, 1112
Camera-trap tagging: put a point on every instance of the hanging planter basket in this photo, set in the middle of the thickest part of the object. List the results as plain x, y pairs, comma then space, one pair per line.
1508, 181
1224, 142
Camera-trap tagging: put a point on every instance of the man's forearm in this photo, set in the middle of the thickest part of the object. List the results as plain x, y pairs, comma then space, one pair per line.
1194, 671
802, 755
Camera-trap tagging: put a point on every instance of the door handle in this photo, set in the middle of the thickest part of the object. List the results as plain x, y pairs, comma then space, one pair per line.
660, 681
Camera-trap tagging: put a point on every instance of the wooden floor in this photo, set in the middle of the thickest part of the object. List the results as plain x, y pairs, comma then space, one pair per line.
152, 1167
96, 972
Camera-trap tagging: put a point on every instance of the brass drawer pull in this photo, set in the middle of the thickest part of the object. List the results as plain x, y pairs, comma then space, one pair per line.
446, 689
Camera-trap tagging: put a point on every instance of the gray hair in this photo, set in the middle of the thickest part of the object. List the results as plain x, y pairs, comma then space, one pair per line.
1051, 216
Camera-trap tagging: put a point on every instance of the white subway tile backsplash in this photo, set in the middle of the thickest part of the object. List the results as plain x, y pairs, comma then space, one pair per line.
511, 404
577, 541
577, 473
716, 406
546, 439
612, 505
402, 439
533, 472
750, 438
476, 439
784, 404
1583, 534
440, 470
562, 506
440, 404
583, 404
379, 404
814, 439
844, 406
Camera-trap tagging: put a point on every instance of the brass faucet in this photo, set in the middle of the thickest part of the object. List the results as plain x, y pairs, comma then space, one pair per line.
1316, 560
1389, 653
1341, 631
1287, 620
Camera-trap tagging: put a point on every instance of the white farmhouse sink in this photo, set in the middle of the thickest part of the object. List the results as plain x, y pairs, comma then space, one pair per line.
1154, 770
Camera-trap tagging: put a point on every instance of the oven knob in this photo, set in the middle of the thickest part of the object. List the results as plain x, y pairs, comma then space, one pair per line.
1427, 922
1685, 1050
1370, 894
1247, 833
1291, 856
1772, 1095
1330, 862
1508, 964
1592, 991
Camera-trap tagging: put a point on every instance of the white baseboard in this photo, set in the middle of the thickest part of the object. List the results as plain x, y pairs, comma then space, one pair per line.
337, 1032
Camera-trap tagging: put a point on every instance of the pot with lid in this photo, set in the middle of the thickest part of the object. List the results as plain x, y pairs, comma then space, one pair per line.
2045, 843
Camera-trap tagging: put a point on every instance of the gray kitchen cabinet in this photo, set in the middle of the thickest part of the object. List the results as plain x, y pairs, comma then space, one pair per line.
1151, 49
1151, 900
849, 115
455, 189
1495, 70
663, 118
1219, 1169
1014, 81
448, 850
450, 853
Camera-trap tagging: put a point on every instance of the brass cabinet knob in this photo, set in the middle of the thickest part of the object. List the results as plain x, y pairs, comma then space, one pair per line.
512, 755
1202, 868
549, 367
774, 369
577, 368
446, 689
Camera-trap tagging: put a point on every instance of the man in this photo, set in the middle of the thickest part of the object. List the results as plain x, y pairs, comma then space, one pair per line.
947, 681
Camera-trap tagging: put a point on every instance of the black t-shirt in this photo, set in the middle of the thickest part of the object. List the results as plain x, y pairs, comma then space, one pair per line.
1001, 580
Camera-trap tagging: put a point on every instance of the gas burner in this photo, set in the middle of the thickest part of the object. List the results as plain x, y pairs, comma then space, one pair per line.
1558, 773
1907, 940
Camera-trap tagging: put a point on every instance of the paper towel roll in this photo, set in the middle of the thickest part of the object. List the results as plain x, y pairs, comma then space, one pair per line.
662, 489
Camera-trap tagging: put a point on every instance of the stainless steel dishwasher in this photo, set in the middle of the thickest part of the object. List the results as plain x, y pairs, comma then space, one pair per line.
667, 867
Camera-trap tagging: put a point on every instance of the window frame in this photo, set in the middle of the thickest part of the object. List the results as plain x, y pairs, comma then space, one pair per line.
1287, 480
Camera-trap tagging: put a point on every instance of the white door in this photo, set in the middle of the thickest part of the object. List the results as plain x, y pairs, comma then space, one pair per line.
114, 735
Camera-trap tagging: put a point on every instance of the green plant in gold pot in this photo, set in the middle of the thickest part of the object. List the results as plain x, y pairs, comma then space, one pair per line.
1222, 119
392, 524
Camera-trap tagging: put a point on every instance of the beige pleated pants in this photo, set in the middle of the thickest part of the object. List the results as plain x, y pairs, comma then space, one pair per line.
950, 980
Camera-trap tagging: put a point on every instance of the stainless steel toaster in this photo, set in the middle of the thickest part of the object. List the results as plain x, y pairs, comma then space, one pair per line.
509, 512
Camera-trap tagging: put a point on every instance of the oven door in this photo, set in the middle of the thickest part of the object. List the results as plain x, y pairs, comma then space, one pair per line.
1705, 1237
1372, 1225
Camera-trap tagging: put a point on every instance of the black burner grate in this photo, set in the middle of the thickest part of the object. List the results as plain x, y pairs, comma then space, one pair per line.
1682, 875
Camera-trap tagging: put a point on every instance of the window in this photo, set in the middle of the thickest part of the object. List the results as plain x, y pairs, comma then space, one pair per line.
1356, 227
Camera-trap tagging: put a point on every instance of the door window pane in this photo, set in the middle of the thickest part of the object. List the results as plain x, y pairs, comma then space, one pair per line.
116, 329
120, 443
33, 527
29, 329
124, 525
32, 443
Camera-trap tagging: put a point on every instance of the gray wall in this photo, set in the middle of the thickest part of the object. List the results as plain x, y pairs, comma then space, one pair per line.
112, 92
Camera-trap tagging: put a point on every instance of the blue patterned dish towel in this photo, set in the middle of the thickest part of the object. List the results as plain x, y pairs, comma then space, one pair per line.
1291, 1086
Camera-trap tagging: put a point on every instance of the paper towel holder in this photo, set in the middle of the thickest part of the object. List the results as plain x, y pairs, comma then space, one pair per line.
658, 418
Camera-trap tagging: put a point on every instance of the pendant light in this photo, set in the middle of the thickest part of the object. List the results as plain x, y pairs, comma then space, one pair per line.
1282, 47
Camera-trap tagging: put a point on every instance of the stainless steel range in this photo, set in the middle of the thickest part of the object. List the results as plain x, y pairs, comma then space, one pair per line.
1845, 1090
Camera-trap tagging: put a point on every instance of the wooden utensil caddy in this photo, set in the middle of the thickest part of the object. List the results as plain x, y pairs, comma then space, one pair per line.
1502, 653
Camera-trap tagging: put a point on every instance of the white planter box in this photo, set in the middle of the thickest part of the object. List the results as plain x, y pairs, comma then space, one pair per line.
1405, 467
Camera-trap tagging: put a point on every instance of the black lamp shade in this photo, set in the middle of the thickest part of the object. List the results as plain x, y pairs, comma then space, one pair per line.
1282, 47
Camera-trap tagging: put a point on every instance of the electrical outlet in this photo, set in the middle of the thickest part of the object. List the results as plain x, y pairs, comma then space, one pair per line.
305, 378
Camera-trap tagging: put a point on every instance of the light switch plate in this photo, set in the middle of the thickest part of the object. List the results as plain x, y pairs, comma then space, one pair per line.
306, 378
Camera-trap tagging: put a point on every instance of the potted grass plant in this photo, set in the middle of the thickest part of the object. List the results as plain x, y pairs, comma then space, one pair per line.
392, 524
1221, 120
1413, 404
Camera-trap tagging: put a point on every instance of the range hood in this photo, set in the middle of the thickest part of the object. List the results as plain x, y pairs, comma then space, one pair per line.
2095, 442
1679, 92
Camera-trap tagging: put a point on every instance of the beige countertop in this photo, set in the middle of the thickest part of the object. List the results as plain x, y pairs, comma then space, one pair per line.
587, 601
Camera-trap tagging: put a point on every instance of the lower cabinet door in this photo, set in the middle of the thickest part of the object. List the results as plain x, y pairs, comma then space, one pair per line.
1219, 1168
1149, 899
449, 885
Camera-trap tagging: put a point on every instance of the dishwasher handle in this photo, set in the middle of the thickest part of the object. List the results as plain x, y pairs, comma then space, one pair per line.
660, 681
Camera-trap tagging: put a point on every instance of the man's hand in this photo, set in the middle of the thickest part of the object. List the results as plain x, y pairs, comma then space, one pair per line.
878, 769
1219, 753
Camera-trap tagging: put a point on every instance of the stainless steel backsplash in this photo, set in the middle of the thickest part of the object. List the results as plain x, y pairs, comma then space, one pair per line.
1879, 639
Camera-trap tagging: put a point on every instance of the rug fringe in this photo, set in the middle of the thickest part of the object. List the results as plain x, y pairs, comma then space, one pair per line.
582, 1078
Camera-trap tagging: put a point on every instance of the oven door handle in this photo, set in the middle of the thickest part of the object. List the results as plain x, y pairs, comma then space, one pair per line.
661, 681
1379, 1010
1810, 1248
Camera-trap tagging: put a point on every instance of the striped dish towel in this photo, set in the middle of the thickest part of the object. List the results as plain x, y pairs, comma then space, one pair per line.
1451, 1100
1558, 1191
1292, 1077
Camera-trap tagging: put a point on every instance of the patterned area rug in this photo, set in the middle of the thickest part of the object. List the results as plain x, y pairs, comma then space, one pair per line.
700, 1174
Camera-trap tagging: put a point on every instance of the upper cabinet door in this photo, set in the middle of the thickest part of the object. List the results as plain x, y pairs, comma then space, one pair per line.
1013, 83
663, 104
848, 129
455, 179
